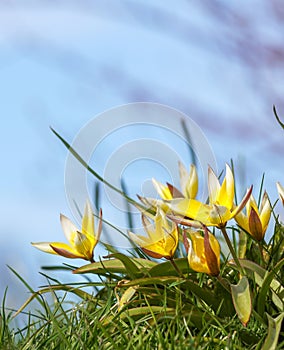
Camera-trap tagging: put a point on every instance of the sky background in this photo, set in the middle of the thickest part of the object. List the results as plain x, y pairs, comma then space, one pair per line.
63, 63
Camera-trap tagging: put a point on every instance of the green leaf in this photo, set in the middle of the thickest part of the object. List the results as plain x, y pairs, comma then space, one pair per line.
242, 300
93, 172
104, 267
139, 312
274, 328
131, 268
83, 295
167, 269
260, 274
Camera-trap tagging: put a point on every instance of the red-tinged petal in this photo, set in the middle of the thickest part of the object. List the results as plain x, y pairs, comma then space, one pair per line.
255, 226
154, 254
174, 191
185, 222
163, 191
211, 258
185, 241
66, 251
240, 207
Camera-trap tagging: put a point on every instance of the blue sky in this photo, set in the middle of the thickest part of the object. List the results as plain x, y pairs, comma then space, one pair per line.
63, 63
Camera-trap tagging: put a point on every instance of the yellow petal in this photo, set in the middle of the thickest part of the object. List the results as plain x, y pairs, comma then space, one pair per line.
212, 254
265, 212
162, 190
44, 246
88, 220
219, 215
280, 190
240, 207
191, 208
188, 181
227, 191
69, 229
84, 245
171, 242
66, 251
139, 240
242, 221
196, 254
213, 186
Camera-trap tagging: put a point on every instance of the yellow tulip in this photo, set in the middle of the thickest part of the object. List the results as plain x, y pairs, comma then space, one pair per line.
81, 243
221, 202
162, 239
203, 252
255, 221
188, 184
280, 189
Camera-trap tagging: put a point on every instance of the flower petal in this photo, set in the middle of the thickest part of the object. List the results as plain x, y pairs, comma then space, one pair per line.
265, 212
69, 229
240, 207
190, 208
88, 227
188, 181
163, 190
212, 252
280, 190
196, 254
227, 191
44, 246
213, 186
255, 226
66, 251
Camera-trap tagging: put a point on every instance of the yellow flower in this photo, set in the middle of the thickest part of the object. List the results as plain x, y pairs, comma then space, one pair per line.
203, 252
280, 189
221, 202
188, 184
81, 243
255, 221
162, 237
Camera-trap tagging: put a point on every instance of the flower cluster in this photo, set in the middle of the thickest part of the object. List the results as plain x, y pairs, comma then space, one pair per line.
178, 215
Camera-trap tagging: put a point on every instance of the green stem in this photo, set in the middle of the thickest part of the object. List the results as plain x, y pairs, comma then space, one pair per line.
176, 268
260, 247
224, 283
232, 250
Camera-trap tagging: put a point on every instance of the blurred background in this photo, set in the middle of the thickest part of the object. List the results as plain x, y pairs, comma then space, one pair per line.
64, 62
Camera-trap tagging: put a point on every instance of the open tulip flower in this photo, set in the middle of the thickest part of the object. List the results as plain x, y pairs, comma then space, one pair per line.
221, 206
188, 184
81, 242
280, 189
162, 237
203, 252
255, 221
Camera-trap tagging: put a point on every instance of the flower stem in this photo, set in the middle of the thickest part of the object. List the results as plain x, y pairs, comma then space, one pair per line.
232, 251
224, 283
176, 268
260, 247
